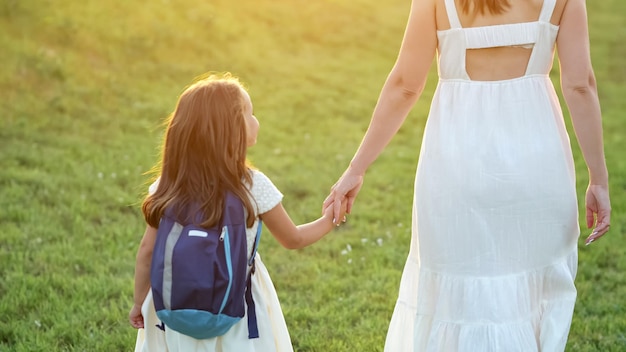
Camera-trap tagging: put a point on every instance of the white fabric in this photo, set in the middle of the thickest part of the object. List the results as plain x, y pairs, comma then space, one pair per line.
495, 219
273, 333
454, 42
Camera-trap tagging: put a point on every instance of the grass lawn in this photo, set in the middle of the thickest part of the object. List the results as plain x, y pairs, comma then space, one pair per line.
84, 86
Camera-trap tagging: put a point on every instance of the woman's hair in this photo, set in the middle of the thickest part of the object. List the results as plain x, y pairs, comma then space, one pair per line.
492, 6
203, 154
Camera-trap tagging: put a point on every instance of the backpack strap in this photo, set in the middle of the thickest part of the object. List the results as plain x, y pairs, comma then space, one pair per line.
256, 243
253, 328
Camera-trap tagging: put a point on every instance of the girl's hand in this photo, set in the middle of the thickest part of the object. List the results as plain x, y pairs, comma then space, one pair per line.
343, 192
135, 317
598, 211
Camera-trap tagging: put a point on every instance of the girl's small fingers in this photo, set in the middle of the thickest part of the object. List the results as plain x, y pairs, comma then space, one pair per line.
137, 324
325, 205
328, 201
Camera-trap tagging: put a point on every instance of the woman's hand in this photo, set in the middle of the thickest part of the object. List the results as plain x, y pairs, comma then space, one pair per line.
598, 211
135, 317
343, 192
328, 209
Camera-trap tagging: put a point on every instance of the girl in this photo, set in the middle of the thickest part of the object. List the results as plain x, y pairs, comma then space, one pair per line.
204, 154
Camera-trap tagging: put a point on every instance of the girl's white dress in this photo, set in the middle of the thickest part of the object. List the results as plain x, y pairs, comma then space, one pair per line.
273, 333
495, 219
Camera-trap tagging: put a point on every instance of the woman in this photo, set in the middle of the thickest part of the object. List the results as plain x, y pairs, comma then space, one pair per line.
495, 222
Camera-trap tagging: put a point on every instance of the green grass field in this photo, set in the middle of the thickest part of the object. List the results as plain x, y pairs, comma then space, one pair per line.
85, 85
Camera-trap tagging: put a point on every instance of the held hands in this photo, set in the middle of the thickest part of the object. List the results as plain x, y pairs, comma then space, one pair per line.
342, 194
328, 213
598, 211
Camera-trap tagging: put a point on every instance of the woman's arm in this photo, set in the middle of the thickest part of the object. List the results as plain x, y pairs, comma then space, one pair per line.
142, 275
401, 90
579, 90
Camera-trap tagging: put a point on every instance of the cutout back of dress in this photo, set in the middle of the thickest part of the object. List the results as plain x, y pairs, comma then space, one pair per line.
497, 52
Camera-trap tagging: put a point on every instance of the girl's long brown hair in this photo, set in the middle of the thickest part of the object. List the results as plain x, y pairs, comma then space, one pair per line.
203, 154
480, 6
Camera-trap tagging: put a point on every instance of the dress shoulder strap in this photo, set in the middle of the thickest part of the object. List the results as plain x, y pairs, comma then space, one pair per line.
453, 16
546, 10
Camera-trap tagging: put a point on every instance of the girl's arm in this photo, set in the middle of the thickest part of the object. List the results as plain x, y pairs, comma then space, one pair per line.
579, 90
401, 90
291, 236
142, 275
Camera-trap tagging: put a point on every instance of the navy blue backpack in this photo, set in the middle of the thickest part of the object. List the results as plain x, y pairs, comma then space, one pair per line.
200, 277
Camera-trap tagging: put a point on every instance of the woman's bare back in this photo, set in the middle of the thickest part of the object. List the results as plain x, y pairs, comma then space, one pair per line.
492, 64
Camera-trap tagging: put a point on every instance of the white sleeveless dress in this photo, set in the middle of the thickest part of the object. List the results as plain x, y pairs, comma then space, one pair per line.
495, 219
